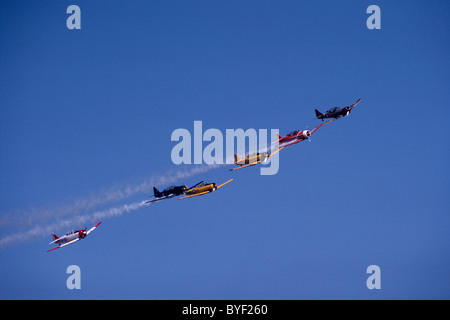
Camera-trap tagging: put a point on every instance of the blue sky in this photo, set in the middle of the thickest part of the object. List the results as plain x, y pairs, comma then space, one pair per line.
84, 112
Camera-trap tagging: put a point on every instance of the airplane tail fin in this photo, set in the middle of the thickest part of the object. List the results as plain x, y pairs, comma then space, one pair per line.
55, 237
156, 192
236, 158
318, 114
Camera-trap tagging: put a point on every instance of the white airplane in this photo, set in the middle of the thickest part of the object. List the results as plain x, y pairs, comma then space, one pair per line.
71, 237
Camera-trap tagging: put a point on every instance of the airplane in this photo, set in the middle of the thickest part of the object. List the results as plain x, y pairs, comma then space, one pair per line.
293, 137
167, 193
336, 112
202, 188
252, 159
297, 136
71, 237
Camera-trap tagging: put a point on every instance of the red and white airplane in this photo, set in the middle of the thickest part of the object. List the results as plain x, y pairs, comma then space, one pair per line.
293, 137
297, 136
71, 237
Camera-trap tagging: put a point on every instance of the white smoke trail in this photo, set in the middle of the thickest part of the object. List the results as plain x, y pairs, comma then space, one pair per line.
45, 230
29, 217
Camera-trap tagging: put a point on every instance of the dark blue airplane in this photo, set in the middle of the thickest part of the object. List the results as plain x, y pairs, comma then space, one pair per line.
167, 193
336, 112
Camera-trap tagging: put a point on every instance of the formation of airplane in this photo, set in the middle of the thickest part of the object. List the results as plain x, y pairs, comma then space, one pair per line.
203, 188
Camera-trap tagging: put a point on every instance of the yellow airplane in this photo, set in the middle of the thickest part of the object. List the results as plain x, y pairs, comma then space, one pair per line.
252, 159
202, 188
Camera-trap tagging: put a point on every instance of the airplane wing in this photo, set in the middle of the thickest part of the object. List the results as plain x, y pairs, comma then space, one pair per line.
247, 165
195, 195
275, 152
65, 244
162, 198
291, 143
224, 184
317, 128
92, 229
354, 105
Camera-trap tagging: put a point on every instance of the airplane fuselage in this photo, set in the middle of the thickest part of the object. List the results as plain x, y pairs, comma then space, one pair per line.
173, 190
71, 236
169, 192
291, 138
252, 159
206, 188
336, 113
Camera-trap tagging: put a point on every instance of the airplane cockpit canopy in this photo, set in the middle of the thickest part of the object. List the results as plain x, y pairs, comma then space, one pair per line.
200, 184
292, 133
334, 109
